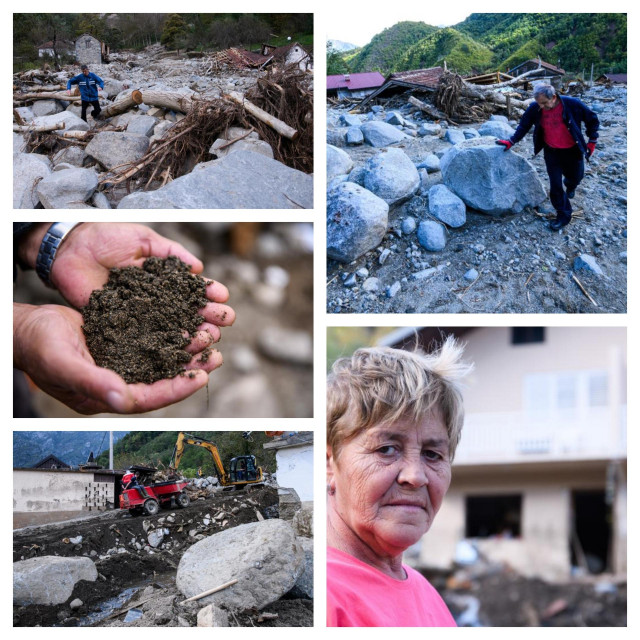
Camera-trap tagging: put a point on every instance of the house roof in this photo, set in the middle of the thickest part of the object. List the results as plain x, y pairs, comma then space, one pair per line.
615, 77
279, 53
423, 77
544, 65
355, 81
296, 439
244, 58
53, 458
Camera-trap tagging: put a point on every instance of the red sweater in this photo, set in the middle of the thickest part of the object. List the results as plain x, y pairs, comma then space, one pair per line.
556, 132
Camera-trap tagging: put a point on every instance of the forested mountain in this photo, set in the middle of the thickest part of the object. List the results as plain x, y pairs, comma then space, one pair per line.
154, 448
488, 41
72, 447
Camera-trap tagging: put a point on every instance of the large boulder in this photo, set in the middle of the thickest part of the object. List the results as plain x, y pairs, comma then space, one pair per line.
489, 179
25, 113
446, 206
28, 170
381, 134
391, 176
338, 162
49, 579
350, 120
497, 128
356, 221
429, 129
142, 125
71, 121
303, 587
264, 557
221, 147
64, 189
114, 148
18, 142
46, 108
71, 155
241, 180
354, 136
454, 136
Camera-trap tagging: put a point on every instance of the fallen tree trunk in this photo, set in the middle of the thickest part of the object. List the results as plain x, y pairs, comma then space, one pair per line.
281, 127
120, 106
432, 112
166, 100
52, 95
25, 128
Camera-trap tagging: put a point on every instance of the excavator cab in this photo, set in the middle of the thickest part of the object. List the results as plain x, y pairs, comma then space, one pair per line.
243, 469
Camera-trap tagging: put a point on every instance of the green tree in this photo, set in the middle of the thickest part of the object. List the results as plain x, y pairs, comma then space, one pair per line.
335, 62
174, 32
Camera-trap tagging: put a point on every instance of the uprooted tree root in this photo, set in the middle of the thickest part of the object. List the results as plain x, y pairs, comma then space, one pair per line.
449, 98
187, 143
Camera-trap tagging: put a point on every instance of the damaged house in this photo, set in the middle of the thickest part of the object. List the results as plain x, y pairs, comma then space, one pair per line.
287, 55
353, 85
539, 477
546, 72
399, 82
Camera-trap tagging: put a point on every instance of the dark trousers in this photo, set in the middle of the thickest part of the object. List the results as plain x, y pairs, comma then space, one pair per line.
96, 109
567, 163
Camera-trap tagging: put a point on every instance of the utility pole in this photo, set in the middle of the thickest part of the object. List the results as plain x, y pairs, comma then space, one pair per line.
111, 450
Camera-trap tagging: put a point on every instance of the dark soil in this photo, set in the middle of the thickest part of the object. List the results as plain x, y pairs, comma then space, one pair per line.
136, 324
111, 542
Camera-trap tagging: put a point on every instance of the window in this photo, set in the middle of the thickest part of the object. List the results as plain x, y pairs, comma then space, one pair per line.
527, 335
493, 516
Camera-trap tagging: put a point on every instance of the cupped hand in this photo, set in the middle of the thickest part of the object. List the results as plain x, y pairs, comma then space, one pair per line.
48, 345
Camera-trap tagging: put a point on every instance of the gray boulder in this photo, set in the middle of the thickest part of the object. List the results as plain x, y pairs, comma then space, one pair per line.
303, 587
25, 113
382, 134
100, 201
394, 117
241, 180
221, 147
446, 206
357, 175
489, 179
114, 148
46, 108
63, 189
71, 121
454, 136
391, 176
432, 235
351, 120
498, 118
356, 221
470, 133
18, 142
338, 162
429, 129
354, 136
431, 163
49, 580
70, 155
264, 557
496, 128
113, 87
142, 125
337, 137
28, 170
587, 263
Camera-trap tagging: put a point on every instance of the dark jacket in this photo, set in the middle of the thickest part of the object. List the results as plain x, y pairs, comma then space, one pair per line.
87, 84
574, 113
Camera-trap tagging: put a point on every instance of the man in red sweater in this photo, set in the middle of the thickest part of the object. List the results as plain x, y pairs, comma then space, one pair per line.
557, 121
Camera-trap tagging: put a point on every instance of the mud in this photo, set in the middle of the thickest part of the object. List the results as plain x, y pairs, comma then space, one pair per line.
136, 324
113, 541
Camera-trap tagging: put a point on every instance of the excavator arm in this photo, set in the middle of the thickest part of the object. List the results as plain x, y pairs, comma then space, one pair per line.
188, 438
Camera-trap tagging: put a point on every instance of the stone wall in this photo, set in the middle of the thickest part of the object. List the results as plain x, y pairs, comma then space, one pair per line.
88, 50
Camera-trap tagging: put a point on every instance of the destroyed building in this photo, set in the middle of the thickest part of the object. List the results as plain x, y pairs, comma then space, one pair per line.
353, 85
399, 82
287, 55
90, 50
539, 477
546, 72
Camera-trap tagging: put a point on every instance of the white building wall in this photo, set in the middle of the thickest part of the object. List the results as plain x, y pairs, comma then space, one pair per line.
295, 470
44, 491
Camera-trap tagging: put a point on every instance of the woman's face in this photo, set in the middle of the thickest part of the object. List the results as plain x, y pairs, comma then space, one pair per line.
390, 481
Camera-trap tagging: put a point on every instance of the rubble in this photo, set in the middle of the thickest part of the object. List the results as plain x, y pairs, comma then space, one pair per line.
519, 269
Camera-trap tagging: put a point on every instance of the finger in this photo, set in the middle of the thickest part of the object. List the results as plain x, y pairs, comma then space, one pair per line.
200, 341
148, 397
163, 248
212, 330
208, 360
217, 292
218, 314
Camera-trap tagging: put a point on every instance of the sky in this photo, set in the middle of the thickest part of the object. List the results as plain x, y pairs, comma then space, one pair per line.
358, 27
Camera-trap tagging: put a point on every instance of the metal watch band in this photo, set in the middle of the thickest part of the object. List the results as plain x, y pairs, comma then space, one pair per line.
52, 240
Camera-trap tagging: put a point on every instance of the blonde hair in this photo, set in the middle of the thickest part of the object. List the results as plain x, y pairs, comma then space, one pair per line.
381, 385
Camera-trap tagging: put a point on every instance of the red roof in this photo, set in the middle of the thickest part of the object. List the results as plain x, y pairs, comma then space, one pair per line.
356, 81
427, 77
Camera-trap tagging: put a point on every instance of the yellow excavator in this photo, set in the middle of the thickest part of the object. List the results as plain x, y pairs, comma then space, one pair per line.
242, 469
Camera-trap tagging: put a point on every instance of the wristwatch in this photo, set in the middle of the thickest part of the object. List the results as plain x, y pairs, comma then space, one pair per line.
51, 242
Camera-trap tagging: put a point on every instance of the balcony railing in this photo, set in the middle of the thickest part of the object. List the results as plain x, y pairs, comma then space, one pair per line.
568, 434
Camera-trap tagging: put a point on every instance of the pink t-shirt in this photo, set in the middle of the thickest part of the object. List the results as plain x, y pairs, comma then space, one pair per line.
359, 595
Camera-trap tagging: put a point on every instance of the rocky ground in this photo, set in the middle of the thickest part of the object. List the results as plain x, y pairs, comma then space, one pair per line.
511, 263
268, 352
75, 174
136, 559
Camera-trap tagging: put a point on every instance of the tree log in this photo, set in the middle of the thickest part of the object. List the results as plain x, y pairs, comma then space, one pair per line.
120, 106
25, 128
432, 112
52, 95
171, 100
281, 127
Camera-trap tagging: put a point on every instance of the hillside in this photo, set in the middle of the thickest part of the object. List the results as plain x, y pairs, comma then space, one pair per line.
72, 447
385, 51
462, 53
155, 448
486, 41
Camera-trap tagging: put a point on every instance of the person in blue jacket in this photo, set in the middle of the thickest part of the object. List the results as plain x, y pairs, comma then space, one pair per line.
557, 122
89, 84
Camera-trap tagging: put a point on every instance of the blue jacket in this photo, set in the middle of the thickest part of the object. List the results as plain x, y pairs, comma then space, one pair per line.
574, 113
87, 84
